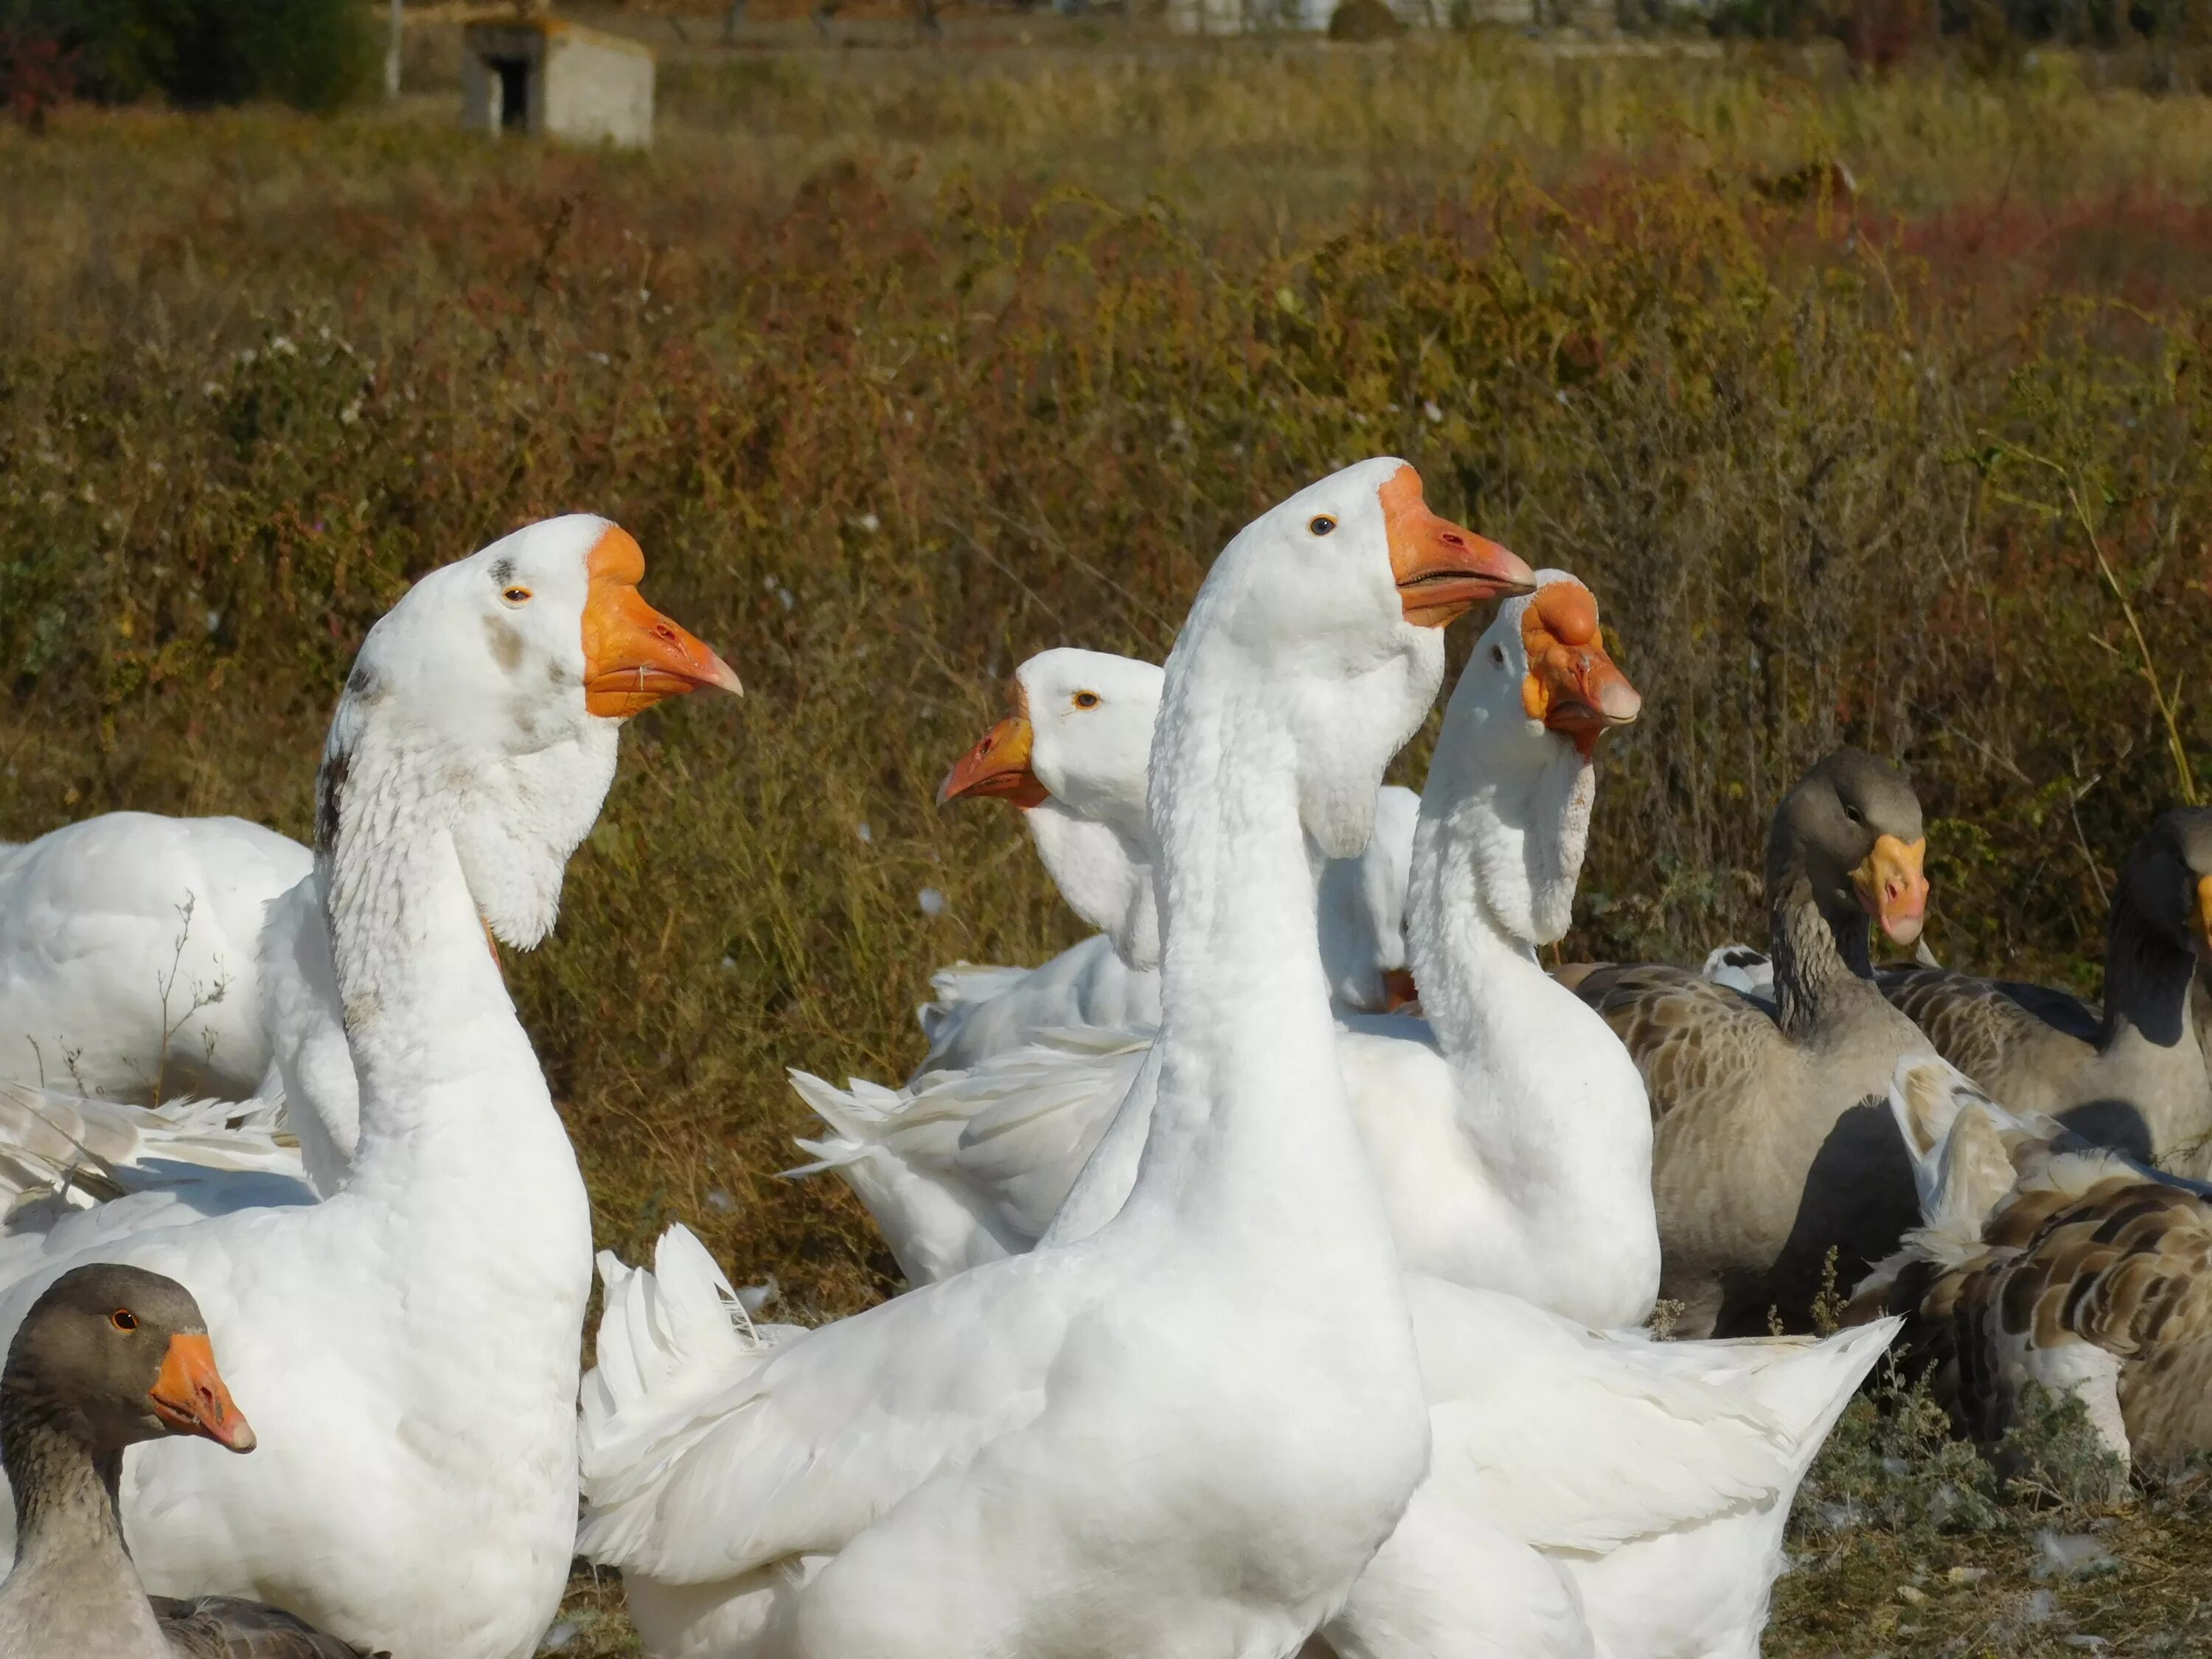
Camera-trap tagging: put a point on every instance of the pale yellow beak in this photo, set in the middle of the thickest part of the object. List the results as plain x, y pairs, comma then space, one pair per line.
1893, 887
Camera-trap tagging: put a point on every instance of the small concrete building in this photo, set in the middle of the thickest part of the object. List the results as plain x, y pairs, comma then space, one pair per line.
540, 75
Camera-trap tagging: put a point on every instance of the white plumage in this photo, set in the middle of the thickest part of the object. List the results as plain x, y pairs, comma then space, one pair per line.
408, 1347
1187, 1434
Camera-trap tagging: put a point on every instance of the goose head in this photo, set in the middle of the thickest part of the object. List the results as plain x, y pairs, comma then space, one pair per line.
499, 682
1325, 617
1852, 827
117, 1355
1071, 753
1079, 731
1512, 782
2167, 880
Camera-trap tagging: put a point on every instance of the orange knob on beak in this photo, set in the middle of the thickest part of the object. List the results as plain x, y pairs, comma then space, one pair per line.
2201, 917
1893, 889
189, 1397
1443, 570
634, 657
1572, 685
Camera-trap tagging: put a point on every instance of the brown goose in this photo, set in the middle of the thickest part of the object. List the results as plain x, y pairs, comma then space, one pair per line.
2138, 1080
2045, 1260
1772, 1142
107, 1357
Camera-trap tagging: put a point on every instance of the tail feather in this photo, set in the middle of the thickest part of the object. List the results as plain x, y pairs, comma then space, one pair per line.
861, 1112
899, 1155
85, 1151
966, 983
1805, 1392
671, 1342
680, 1316
1967, 1151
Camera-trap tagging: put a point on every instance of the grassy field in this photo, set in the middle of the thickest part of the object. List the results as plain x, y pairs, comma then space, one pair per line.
903, 363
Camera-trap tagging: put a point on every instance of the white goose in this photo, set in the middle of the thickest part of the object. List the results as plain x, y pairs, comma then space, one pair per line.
1592, 1493
1554, 1205
1137, 1445
413, 1338
1071, 755
130, 955
1512, 1140
1595, 1495
967, 1165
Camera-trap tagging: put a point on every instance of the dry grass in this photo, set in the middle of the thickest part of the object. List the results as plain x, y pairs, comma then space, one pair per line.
902, 366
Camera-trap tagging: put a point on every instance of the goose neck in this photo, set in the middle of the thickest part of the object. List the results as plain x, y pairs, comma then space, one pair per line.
1251, 1112
1105, 878
1821, 957
2147, 981
449, 1081
64, 1493
1498, 851
1548, 1100
1465, 961
418, 986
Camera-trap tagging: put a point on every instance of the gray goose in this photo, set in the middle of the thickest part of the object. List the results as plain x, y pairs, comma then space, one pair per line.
2136, 1080
107, 1357
2043, 1259
1772, 1141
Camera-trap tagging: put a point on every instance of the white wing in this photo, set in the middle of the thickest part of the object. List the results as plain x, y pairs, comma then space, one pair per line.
711, 1447
983, 1011
969, 1166
1584, 1440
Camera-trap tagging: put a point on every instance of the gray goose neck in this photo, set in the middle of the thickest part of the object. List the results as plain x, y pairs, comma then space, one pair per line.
66, 1517
2147, 980
1820, 960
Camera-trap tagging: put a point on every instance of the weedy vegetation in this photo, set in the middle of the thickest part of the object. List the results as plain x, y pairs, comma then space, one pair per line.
901, 367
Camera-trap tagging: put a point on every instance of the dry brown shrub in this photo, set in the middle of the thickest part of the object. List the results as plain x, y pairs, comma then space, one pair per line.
896, 396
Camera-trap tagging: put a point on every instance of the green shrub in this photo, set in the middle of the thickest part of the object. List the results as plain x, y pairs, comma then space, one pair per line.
1363, 20
313, 54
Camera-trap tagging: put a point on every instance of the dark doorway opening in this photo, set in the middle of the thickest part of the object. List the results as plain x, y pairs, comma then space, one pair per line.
513, 93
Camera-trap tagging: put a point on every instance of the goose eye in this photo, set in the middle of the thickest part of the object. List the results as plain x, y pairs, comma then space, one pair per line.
1086, 699
1497, 655
1852, 814
516, 596
123, 1319
1323, 524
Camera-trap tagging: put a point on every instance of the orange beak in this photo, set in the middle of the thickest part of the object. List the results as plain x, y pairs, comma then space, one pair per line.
1443, 571
1893, 889
1399, 991
190, 1398
2202, 919
633, 655
1572, 685
997, 766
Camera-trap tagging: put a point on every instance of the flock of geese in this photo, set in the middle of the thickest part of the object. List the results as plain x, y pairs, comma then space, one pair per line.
1280, 1258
